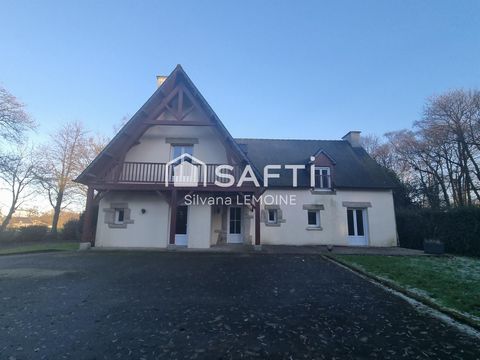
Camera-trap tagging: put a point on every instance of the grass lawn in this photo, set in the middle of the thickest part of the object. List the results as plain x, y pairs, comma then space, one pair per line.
452, 282
60, 246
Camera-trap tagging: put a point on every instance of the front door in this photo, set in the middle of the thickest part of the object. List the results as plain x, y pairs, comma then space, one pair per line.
234, 235
181, 237
357, 227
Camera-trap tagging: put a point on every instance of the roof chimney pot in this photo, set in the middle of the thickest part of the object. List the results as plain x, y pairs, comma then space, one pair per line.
353, 137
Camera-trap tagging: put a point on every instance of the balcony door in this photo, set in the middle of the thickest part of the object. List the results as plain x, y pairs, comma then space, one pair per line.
182, 172
178, 150
357, 223
235, 235
181, 226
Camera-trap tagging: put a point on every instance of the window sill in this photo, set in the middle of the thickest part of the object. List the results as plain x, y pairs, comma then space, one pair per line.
323, 191
272, 224
314, 228
117, 226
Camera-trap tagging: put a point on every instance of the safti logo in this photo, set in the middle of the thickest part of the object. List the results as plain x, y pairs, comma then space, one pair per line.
188, 171
185, 171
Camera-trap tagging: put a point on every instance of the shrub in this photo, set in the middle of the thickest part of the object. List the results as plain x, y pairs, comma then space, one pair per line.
458, 229
71, 230
8, 235
32, 233
410, 228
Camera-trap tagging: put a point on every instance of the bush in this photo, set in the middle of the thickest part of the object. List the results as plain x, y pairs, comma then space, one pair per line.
8, 235
458, 229
71, 230
32, 233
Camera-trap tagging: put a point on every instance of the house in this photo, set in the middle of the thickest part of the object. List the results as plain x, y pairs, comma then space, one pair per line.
174, 176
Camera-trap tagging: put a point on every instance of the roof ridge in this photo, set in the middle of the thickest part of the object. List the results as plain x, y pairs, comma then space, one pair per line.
270, 139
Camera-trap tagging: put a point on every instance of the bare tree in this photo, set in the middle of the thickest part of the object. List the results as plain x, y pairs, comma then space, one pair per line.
379, 150
63, 160
121, 123
19, 173
440, 156
14, 121
452, 121
93, 146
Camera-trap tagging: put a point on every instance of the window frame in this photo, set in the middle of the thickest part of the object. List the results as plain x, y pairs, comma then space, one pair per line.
183, 147
357, 213
235, 221
119, 213
275, 216
317, 219
318, 173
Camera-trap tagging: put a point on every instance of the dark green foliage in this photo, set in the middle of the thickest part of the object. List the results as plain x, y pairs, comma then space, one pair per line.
411, 228
71, 230
7, 235
458, 229
26, 234
32, 233
402, 192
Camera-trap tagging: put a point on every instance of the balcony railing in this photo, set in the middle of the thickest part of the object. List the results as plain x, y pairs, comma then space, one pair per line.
148, 172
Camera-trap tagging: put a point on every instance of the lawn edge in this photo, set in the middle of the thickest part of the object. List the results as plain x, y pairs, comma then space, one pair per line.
392, 285
35, 252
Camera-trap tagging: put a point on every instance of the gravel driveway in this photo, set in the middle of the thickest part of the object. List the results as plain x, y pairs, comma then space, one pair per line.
149, 305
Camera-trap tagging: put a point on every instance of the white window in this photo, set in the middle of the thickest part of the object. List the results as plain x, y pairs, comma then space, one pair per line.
119, 216
313, 218
322, 178
356, 222
272, 216
178, 150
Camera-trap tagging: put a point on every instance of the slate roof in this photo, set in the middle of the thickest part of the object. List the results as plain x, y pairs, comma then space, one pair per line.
354, 168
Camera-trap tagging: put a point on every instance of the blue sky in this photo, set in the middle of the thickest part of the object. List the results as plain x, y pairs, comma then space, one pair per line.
275, 69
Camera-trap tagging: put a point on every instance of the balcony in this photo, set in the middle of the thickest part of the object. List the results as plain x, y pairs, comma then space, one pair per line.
154, 173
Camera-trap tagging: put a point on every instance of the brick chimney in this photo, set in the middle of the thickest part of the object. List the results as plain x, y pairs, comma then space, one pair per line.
353, 137
160, 80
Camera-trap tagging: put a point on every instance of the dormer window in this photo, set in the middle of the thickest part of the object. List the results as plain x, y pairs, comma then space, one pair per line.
322, 178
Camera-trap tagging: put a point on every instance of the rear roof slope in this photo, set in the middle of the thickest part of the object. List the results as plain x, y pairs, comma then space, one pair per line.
354, 168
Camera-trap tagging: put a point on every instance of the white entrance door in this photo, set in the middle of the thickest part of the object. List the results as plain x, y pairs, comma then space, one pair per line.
234, 235
181, 236
357, 227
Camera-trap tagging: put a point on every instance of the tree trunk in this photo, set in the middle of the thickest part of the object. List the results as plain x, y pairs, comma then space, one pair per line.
7, 219
56, 212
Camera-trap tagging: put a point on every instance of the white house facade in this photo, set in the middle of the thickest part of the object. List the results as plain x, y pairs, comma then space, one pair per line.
174, 177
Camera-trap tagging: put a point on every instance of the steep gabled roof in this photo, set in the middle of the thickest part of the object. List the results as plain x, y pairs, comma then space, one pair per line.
146, 117
354, 167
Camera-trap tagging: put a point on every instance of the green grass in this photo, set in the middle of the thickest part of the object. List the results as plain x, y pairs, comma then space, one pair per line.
452, 282
40, 247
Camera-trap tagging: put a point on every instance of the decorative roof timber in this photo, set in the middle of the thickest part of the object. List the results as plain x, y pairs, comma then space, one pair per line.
141, 121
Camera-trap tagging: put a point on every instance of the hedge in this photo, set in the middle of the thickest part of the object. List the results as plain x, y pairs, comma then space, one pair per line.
71, 231
28, 233
458, 229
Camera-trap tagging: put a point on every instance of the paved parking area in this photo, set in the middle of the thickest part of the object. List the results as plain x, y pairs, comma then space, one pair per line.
149, 305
